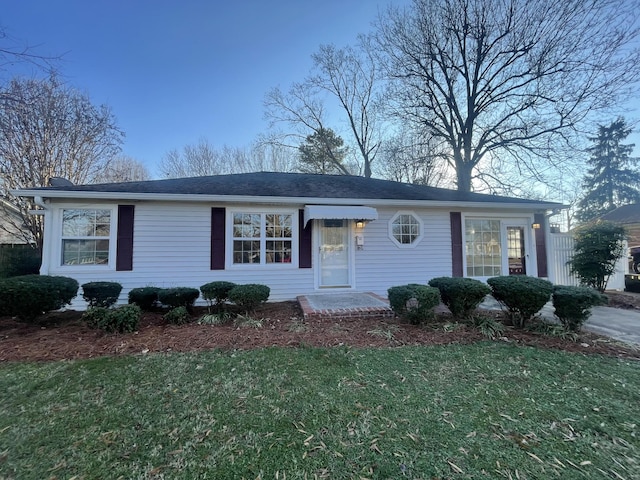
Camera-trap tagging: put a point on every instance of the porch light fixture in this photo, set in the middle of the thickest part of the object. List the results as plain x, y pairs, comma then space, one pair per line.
360, 224
535, 226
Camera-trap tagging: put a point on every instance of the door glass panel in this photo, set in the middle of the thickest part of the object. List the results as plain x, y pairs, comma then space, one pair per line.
334, 254
515, 251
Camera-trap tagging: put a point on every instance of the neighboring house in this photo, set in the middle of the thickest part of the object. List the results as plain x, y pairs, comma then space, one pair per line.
629, 217
296, 233
9, 218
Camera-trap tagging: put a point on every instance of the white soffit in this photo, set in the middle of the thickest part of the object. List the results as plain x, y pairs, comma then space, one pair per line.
339, 212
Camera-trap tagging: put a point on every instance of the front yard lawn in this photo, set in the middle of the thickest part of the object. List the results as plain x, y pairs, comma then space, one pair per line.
486, 410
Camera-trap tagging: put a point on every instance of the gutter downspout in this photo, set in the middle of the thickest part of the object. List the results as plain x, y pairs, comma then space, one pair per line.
42, 203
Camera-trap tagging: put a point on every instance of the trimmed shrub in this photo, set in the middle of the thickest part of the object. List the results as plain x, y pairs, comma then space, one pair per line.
28, 296
414, 302
573, 305
461, 295
122, 319
522, 295
144, 297
19, 260
216, 293
249, 296
178, 316
178, 297
101, 294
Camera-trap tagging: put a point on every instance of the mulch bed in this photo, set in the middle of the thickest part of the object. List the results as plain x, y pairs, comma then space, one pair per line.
63, 335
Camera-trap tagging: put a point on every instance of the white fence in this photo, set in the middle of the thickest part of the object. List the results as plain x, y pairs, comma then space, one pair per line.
560, 251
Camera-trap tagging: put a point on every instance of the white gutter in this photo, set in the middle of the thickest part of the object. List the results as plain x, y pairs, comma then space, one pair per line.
206, 198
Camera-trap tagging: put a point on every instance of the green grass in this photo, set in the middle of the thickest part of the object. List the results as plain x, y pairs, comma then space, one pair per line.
487, 410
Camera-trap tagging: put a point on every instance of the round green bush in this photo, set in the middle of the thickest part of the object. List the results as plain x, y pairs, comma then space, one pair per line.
122, 319
461, 295
178, 316
29, 296
216, 293
249, 296
523, 296
144, 297
101, 294
414, 302
573, 305
178, 296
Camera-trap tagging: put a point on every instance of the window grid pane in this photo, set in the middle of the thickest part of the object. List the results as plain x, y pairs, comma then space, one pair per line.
483, 248
405, 229
262, 238
85, 235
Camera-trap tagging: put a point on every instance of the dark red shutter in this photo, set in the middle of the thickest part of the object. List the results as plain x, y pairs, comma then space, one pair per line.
124, 239
218, 239
541, 244
456, 244
304, 242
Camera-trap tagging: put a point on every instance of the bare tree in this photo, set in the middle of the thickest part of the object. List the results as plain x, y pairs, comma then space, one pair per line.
204, 159
351, 75
508, 79
196, 160
408, 157
303, 110
52, 130
123, 169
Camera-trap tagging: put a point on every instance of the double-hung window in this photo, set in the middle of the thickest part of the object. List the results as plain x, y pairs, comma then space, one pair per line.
262, 238
86, 236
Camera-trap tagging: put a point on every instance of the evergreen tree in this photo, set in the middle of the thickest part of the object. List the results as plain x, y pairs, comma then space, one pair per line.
323, 152
613, 179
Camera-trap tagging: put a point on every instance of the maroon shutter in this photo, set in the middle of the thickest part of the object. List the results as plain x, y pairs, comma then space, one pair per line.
456, 244
541, 244
217, 238
304, 239
124, 239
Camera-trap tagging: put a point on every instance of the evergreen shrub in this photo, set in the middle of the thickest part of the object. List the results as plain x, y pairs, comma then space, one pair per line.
461, 295
178, 316
216, 293
249, 296
573, 305
413, 301
29, 296
523, 296
144, 297
101, 294
122, 319
178, 297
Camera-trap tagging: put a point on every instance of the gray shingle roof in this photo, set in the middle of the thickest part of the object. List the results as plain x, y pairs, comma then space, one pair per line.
625, 214
271, 184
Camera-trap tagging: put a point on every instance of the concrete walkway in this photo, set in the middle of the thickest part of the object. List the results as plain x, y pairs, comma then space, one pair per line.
619, 324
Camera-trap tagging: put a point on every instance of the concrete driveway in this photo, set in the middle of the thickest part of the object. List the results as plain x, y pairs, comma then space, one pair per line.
616, 323
623, 325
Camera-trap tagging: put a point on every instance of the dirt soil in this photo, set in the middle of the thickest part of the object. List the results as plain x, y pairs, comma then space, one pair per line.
63, 335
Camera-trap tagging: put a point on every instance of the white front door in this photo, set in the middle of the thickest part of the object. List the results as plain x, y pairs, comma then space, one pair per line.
334, 255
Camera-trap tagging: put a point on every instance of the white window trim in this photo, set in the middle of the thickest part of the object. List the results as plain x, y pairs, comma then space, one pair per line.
229, 264
418, 239
57, 254
507, 219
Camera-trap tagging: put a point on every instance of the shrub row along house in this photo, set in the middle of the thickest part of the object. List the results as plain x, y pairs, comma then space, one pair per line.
297, 233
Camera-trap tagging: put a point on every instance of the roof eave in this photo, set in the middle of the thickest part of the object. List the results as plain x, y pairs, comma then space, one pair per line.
183, 197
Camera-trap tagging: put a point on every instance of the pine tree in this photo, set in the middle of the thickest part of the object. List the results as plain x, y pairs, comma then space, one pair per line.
613, 179
323, 152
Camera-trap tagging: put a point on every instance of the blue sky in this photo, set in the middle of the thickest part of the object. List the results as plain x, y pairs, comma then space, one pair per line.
176, 71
